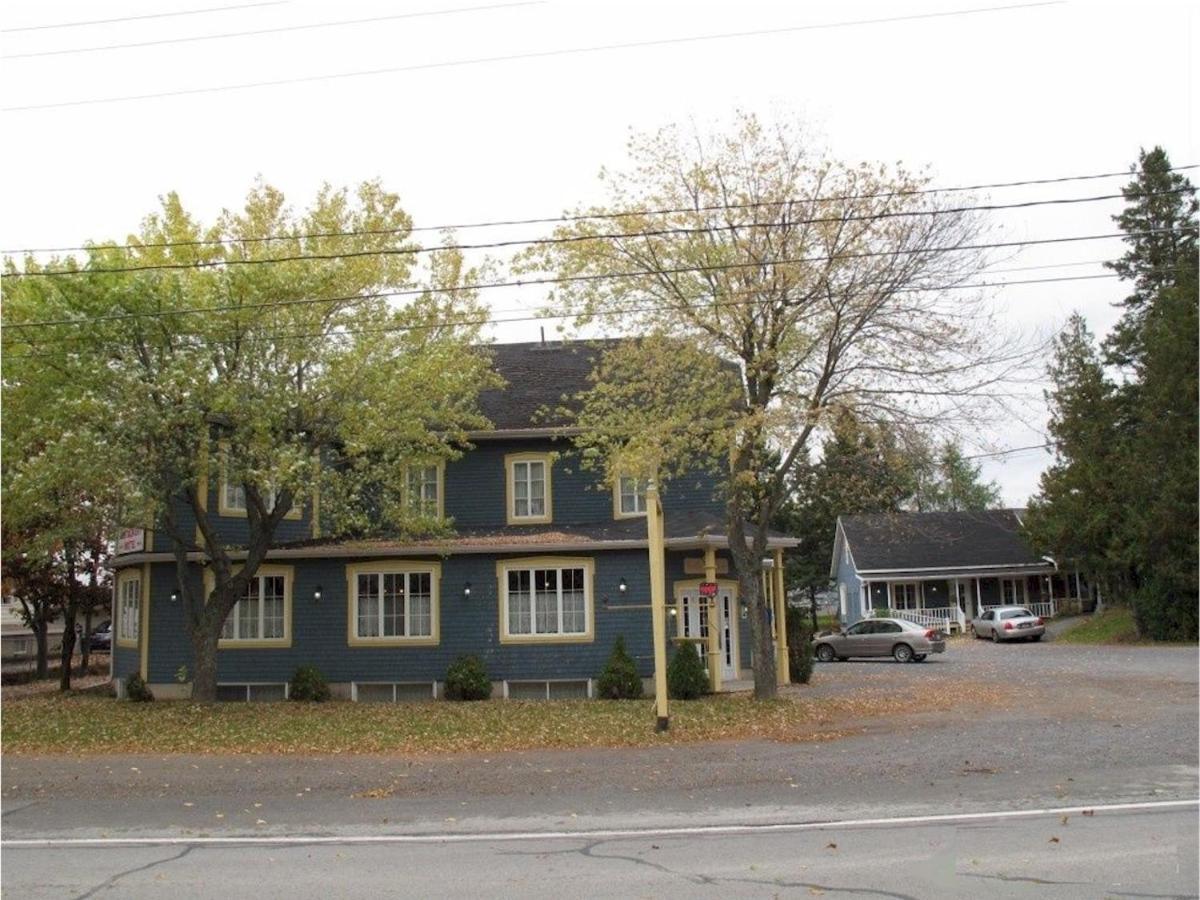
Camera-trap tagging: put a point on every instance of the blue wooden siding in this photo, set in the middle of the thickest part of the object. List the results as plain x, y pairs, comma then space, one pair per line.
848, 577
319, 630
475, 495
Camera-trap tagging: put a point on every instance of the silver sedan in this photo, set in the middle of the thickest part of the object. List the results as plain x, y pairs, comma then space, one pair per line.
897, 638
1009, 623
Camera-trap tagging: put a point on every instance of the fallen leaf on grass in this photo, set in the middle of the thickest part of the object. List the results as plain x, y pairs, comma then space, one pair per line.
831, 846
1053, 840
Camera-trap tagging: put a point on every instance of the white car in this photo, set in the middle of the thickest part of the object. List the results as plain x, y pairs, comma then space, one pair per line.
1009, 623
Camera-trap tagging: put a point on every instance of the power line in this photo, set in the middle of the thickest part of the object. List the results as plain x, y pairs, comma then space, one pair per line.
280, 30
1009, 452
362, 298
285, 337
572, 239
537, 54
550, 220
164, 15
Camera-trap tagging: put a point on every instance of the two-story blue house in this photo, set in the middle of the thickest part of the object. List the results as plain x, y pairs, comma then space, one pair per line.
545, 568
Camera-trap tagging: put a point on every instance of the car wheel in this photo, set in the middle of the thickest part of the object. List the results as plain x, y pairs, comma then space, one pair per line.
843, 658
919, 657
995, 636
902, 653
825, 653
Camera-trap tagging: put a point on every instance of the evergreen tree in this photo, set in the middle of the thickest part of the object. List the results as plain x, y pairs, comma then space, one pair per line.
1121, 497
949, 481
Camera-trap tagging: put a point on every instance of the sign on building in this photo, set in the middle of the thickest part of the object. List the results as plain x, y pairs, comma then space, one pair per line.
131, 540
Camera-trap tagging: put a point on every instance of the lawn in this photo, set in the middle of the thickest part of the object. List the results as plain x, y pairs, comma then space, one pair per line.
89, 723
1114, 625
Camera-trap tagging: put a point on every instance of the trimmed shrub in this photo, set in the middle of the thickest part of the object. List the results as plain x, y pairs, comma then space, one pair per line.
467, 679
620, 680
309, 684
686, 678
137, 690
799, 638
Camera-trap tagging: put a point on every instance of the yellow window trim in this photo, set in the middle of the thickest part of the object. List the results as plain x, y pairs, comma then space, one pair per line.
510, 491
289, 578
617, 514
547, 562
131, 574
224, 509
385, 567
440, 464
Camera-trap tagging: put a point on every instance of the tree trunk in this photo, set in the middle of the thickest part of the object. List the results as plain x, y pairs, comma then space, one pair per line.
750, 583
43, 650
71, 608
68, 650
204, 660
85, 648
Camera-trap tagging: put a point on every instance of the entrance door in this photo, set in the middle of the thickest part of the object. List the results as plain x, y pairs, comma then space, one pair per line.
693, 622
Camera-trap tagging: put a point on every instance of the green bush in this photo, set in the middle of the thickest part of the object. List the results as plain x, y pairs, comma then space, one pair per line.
308, 683
686, 678
137, 690
620, 680
799, 639
1165, 610
467, 679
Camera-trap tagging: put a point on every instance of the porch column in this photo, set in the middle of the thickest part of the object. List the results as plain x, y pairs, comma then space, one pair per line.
714, 623
978, 598
782, 664
658, 604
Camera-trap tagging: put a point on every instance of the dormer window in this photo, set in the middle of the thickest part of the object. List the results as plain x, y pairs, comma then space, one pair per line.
231, 495
629, 497
528, 494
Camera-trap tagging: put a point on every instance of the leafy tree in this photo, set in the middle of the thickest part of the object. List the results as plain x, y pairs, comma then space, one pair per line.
226, 354
38, 591
820, 284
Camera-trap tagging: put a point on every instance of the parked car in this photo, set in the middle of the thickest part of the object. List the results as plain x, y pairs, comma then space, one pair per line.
898, 638
102, 637
1009, 623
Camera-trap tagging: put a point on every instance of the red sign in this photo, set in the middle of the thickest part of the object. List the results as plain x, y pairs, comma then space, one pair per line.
131, 540
708, 589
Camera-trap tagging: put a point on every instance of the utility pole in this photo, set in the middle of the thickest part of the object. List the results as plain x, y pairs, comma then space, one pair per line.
658, 603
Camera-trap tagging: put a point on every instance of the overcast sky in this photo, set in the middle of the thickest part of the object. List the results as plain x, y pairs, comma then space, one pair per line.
508, 110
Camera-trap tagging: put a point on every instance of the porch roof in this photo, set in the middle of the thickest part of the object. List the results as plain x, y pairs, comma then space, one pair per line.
684, 530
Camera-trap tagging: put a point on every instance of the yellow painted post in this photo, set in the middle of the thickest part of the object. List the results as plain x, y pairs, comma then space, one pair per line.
714, 623
658, 603
783, 668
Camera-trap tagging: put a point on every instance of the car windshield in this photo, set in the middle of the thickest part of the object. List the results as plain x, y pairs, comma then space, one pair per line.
1016, 614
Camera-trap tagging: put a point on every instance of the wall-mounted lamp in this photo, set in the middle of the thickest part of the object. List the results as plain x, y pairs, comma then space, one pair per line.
174, 596
744, 610
317, 594
622, 586
672, 611
467, 591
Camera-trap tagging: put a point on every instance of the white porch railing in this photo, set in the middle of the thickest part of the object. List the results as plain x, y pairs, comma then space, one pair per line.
1044, 608
943, 617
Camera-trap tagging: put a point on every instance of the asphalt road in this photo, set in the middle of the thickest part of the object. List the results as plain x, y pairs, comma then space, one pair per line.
1086, 727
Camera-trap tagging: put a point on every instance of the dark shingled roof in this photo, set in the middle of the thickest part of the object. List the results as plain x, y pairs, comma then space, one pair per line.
937, 540
540, 378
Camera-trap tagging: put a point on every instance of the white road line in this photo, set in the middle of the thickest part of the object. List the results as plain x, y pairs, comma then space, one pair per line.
602, 833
